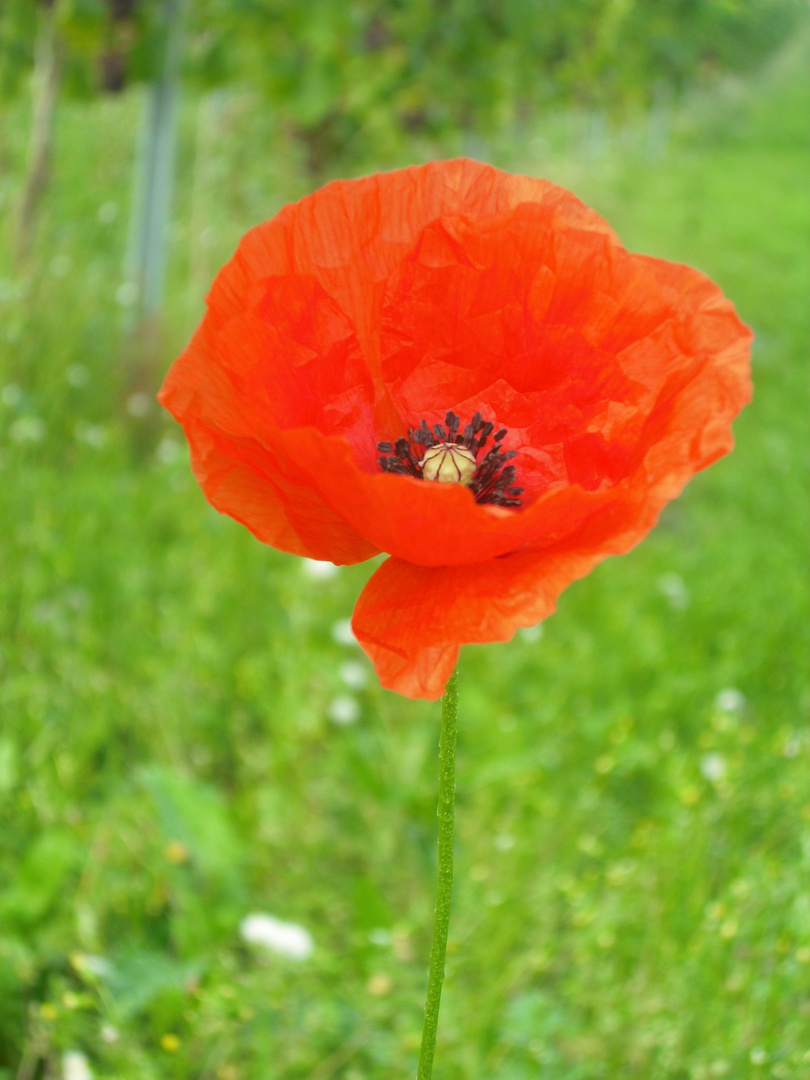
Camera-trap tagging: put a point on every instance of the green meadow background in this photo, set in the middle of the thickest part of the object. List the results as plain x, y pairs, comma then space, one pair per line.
189, 736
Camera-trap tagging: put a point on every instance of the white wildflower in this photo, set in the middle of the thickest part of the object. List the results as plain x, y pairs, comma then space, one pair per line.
169, 450
730, 700
674, 589
713, 767
342, 632
380, 936
343, 710
286, 939
319, 570
354, 674
99, 966
75, 1066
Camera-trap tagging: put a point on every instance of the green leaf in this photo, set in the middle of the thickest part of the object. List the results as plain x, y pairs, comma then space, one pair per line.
41, 878
138, 979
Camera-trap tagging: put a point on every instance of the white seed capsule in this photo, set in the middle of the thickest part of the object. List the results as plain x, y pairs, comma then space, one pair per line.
448, 463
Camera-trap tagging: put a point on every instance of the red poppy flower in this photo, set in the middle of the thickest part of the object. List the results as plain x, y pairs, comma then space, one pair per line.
453, 322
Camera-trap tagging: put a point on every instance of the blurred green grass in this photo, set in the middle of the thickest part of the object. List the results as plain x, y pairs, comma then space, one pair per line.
634, 817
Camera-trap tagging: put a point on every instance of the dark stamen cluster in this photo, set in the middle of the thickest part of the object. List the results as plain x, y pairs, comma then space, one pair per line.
492, 480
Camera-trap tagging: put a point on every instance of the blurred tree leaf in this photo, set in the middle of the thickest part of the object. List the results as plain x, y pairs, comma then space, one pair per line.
351, 78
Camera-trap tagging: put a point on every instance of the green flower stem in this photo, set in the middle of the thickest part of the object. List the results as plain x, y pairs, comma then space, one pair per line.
446, 813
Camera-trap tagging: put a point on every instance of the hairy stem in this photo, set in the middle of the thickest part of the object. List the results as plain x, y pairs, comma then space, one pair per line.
446, 814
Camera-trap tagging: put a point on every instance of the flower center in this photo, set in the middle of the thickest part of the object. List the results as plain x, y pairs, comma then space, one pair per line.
448, 463
447, 455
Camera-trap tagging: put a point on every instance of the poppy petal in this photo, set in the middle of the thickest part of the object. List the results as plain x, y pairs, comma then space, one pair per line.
376, 304
247, 483
440, 524
411, 620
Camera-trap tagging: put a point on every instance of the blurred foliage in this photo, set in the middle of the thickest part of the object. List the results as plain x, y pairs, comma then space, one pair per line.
348, 75
633, 822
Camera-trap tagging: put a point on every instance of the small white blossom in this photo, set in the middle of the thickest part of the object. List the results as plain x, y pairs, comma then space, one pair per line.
343, 710
319, 570
354, 674
342, 632
286, 939
380, 936
730, 700
169, 450
713, 767
674, 589
75, 1066
96, 965
792, 747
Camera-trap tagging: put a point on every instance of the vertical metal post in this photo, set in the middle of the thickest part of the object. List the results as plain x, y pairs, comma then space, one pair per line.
154, 182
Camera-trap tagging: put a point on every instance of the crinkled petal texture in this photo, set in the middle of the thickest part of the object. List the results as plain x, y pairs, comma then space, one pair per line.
376, 303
